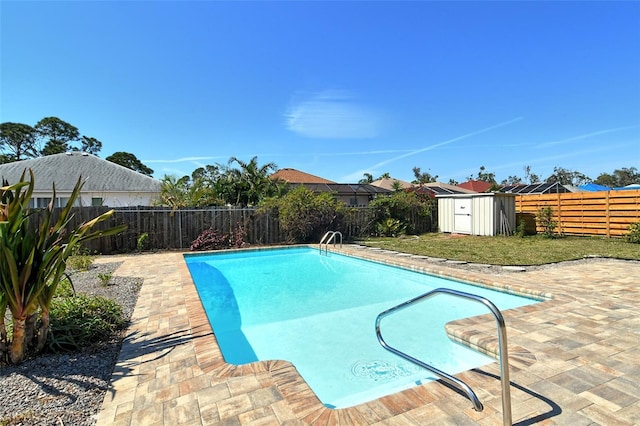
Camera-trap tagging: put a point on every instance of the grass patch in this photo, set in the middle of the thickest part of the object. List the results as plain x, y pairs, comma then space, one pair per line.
533, 250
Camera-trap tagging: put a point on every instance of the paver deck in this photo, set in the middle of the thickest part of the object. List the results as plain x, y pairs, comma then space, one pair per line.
575, 359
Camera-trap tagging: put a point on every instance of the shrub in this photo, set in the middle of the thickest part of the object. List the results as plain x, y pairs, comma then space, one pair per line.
213, 239
80, 259
210, 239
400, 206
65, 288
305, 216
105, 278
544, 218
81, 321
390, 227
634, 233
142, 241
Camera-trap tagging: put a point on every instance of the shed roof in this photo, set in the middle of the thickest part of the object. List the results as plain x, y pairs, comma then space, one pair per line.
64, 169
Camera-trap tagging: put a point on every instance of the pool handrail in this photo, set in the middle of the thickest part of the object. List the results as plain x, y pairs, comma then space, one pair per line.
329, 236
451, 380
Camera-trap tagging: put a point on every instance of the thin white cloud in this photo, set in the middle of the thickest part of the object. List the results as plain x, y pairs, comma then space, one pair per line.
183, 160
332, 115
459, 138
585, 136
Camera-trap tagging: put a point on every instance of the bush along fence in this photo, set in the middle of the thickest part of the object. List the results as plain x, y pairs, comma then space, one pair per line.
602, 213
161, 228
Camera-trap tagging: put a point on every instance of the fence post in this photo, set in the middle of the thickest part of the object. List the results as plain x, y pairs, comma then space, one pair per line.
559, 209
607, 215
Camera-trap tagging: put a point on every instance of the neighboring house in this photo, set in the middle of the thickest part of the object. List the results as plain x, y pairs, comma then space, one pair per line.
296, 176
476, 185
392, 184
432, 188
352, 194
535, 188
105, 183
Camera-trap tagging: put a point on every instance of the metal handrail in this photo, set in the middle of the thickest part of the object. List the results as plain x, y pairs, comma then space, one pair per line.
329, 236
502, 345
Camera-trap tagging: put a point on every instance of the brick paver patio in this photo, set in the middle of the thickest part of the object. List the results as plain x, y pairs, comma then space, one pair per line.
575, 359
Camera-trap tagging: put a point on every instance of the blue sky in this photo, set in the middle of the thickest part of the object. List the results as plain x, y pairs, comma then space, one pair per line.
332, 88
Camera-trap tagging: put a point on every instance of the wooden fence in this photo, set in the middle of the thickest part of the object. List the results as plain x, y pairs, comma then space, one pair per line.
169, 229
604, 213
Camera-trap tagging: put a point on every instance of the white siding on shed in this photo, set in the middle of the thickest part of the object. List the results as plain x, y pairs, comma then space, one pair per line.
491, 213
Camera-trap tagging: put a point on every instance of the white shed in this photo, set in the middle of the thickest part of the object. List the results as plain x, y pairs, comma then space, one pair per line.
477, 214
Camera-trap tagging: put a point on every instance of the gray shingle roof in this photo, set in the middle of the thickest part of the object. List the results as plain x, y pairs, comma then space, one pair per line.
64, 169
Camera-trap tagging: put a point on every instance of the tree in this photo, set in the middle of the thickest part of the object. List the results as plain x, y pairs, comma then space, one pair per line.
19, 140
129, 161
529, 176
422, 178
56, 134
512, 180
485, 176
367, 178
619, 178
185, 192
251, 182
567, 177
90, 145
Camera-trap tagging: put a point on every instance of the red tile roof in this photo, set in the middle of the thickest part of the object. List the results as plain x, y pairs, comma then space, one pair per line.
296, 176
476, 185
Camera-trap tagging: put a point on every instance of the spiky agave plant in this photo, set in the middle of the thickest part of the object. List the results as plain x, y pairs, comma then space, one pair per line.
32, 263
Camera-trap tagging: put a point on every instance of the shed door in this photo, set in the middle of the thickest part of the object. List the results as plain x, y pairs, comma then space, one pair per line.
462, 215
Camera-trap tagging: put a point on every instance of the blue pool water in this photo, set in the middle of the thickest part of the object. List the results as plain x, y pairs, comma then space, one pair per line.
319, 311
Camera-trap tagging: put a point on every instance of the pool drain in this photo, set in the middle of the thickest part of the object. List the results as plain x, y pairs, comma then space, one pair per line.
379, 371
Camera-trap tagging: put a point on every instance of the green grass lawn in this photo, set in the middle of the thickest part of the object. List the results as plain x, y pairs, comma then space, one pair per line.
533, 250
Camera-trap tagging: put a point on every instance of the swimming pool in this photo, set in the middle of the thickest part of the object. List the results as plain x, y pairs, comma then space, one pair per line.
319, 311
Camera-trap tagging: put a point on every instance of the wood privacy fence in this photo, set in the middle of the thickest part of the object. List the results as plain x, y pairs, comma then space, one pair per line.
169, 229
604, 213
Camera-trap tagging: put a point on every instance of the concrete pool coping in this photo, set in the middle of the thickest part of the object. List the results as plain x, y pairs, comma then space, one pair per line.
574, 359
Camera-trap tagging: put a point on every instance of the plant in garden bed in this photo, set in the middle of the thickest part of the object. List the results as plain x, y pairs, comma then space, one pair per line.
634, 233
33, 262
545, 220
213, 239
82, 320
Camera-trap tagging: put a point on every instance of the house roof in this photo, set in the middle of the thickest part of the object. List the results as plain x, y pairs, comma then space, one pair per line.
444, 188
536, 188
64, 169
296, 176
475, 185
344, 188
435, 187
390, 183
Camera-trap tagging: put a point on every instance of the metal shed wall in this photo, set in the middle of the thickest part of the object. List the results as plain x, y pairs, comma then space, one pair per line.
490, 213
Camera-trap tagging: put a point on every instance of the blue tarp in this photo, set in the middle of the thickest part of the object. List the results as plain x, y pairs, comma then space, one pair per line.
632, 186
594, 187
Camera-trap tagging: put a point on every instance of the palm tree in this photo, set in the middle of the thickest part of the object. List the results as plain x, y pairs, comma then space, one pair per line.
252, 182
367, 178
